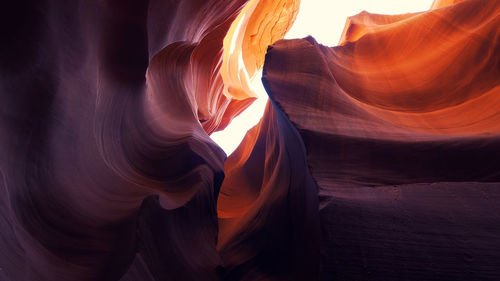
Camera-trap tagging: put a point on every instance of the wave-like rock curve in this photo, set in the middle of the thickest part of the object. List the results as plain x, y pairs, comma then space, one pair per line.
375, 159
399, 126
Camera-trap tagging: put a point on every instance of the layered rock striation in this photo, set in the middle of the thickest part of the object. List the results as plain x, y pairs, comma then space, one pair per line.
376, 159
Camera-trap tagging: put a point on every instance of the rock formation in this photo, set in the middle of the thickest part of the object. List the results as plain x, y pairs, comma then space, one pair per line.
376, 159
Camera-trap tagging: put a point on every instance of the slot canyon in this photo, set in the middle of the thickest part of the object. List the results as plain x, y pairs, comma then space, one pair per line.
377, 157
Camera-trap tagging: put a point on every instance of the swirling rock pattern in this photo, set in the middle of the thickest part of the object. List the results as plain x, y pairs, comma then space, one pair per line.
375, 160
403, 151
104, 104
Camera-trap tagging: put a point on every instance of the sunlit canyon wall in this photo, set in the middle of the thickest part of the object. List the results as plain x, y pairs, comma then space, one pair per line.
377, 159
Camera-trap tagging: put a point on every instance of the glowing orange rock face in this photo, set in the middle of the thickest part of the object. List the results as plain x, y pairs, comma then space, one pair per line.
399, 128
268, 206
375, 160
443, 3
401, 78
259, 24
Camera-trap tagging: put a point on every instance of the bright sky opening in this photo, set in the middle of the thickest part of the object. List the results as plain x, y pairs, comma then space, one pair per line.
324, 20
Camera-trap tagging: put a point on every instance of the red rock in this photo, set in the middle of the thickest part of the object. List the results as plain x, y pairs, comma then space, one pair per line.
375, 160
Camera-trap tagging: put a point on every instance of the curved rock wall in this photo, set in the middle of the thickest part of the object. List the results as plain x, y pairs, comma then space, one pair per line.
375, 160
